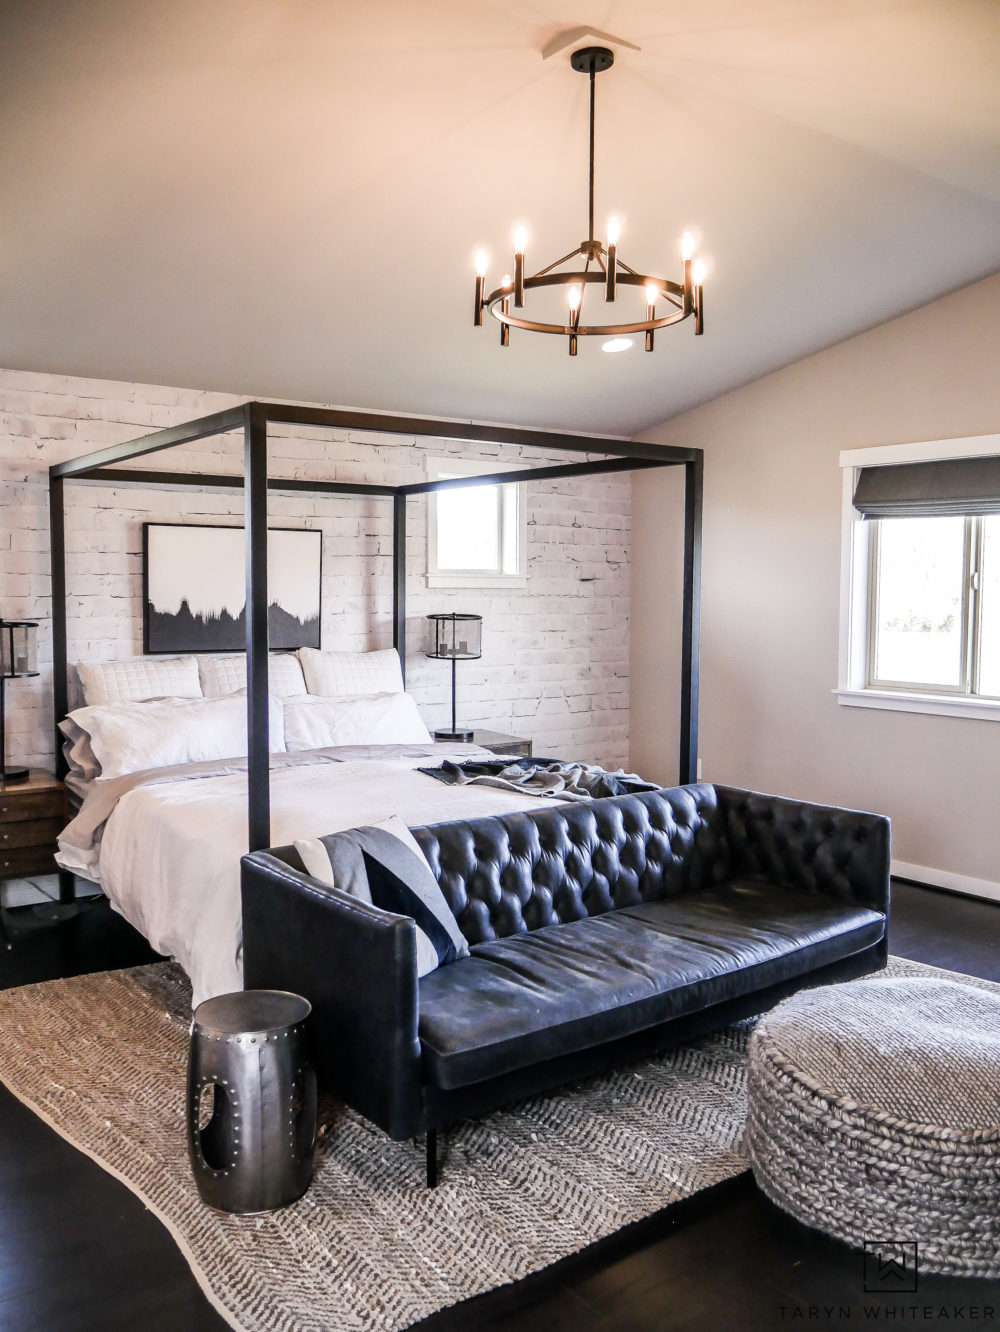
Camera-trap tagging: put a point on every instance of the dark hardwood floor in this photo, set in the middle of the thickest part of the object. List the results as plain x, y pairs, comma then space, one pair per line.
78, 1251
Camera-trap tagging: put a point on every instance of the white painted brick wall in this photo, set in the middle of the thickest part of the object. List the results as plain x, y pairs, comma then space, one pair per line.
555, 655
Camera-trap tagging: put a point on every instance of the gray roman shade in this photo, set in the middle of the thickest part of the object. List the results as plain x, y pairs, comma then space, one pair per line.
929, 489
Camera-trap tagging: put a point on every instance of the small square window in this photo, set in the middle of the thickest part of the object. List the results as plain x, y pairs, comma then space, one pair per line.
476, 535
920, 578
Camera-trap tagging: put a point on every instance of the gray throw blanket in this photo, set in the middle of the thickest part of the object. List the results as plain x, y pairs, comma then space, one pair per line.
541, 777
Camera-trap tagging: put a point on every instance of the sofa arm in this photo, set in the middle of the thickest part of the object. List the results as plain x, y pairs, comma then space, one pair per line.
840, 853
357, 966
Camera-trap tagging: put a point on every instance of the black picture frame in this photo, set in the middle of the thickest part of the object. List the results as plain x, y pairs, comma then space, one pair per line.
168, 634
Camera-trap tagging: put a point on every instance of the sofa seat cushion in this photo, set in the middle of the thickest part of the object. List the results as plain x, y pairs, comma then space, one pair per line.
534, 996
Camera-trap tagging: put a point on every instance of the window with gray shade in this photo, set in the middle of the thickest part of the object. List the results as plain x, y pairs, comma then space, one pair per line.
933, 575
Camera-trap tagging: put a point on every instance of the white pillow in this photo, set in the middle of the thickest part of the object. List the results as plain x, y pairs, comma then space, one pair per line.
372, 719
222, 676
350, 674
138, 678
133, 736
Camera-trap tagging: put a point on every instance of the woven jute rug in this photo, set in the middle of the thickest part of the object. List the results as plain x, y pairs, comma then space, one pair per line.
102, 1058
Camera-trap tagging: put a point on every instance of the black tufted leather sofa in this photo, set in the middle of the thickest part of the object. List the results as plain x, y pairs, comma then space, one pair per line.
598, 931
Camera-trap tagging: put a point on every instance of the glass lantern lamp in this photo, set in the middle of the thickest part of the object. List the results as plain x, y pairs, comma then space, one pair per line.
453, 637
18, 657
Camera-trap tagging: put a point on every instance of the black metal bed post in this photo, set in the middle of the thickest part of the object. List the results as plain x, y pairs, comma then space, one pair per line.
253, 419
691, 617
399, 578
57, 570
255, 507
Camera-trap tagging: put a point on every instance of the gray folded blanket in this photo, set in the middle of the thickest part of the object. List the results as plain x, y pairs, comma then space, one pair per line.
541, 777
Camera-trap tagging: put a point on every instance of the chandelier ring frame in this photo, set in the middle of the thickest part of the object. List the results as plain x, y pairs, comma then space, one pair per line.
671, 291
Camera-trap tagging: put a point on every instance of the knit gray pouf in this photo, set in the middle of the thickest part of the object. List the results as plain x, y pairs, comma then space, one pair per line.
874, 1113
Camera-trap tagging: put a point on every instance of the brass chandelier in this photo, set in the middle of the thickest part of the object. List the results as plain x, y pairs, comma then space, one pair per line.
602, 266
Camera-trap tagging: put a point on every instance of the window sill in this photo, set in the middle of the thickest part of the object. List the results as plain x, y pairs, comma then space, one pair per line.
510, 581
940, 705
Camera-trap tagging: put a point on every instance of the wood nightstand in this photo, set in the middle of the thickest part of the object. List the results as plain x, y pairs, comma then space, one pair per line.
32, 815
501, 743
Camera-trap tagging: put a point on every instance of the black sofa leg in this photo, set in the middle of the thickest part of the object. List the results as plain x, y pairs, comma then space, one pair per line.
432, 1158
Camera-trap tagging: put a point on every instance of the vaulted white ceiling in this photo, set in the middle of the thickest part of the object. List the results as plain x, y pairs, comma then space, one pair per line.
283, 197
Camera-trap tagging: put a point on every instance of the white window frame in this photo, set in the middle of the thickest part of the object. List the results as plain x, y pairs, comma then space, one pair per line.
511, 495
855, 586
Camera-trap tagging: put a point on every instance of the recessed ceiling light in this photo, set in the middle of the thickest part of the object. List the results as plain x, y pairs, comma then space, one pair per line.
616, 344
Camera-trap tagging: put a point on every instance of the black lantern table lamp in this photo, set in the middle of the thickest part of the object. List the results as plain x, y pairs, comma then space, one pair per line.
18, 657
454, 638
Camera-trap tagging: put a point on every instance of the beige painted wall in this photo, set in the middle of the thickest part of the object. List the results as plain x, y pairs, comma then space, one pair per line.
771, 587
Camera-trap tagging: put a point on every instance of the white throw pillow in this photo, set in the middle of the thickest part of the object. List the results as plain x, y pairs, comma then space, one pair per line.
350, 674
372, 719
138, 678
222, 676
131, 737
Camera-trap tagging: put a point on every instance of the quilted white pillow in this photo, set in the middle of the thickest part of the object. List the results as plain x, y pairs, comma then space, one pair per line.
133, 736
139, 678
372, 719
351, 674
222, 676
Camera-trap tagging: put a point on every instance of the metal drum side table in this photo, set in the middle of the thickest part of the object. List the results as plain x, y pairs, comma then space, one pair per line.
254, 1152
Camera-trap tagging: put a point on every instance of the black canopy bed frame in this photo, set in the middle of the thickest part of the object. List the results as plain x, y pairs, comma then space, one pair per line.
254, 418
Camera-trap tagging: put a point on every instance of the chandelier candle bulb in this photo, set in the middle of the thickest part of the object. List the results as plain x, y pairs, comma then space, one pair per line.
687, 249
505, 308
699, 298
611, 280
520, 240
650, 313
480, 297
573, 298
480, 287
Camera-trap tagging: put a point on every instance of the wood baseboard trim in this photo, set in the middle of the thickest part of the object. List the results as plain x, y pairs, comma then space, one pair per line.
952, 883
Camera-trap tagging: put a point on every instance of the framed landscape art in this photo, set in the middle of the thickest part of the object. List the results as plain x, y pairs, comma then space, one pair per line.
194, 589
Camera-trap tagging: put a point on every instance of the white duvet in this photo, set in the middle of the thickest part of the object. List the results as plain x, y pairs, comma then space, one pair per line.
170, 854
